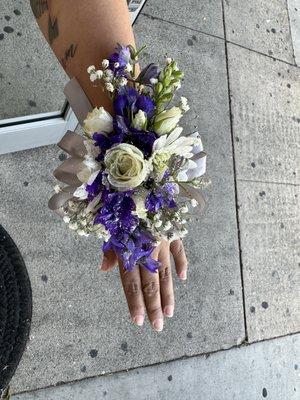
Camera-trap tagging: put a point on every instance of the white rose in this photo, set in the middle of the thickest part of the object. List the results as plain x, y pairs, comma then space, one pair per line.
98, 120
167, 120
140, 120
126, 166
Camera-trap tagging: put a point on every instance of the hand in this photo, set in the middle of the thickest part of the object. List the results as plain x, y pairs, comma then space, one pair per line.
151, 292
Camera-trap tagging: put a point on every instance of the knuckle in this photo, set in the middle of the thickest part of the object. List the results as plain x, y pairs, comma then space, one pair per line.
178, 248
150, 289
132, 289
154, 312
165, 274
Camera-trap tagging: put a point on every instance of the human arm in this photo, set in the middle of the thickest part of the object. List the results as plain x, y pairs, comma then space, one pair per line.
81, 35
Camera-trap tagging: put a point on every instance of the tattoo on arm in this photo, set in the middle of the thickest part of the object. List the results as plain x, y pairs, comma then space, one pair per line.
69, 53
39, 7
52, 29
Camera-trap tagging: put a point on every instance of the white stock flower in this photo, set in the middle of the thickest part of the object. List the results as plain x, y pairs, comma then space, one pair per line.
98, 120
167, 120
175, 144
126, 166
167, 145
140, 120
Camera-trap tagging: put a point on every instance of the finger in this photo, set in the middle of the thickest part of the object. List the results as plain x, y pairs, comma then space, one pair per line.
132, 286
181, 264
165, 281
151, 291
109, 260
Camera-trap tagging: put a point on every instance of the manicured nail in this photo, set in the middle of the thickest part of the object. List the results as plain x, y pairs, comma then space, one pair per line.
183, 275
138, 320
104, 264
169, 311
158, 324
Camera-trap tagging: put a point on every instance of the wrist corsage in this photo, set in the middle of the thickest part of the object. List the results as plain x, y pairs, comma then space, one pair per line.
134, 177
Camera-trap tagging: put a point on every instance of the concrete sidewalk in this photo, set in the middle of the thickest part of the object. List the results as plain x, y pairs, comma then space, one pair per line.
243, 285
263, 370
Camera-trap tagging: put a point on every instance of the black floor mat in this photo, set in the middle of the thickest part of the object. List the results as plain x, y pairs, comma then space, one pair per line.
15, 308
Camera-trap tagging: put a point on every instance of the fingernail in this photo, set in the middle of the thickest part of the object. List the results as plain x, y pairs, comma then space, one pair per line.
104, 264
183, 275
169, 311
158, 324
138, 320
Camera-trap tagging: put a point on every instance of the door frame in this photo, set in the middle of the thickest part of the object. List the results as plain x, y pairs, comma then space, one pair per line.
24, 133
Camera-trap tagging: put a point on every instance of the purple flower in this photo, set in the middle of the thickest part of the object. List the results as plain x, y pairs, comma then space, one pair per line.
149, 72
134, 249
105, 142
122, 57
143, 140
161, 197
132, 244
94, 188
116, 213
129, 102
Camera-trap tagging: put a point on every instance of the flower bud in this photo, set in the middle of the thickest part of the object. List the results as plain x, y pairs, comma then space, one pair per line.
140, 120
167, 120
105, 63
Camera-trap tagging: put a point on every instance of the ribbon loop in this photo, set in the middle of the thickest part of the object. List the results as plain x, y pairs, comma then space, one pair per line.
78, 100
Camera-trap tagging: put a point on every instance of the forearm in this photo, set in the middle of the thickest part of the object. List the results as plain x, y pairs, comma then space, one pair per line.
82, 33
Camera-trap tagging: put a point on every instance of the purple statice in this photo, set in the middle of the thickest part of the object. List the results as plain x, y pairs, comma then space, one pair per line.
133, 249
132, 244
161, 197
116, 212
95, 187
121, 56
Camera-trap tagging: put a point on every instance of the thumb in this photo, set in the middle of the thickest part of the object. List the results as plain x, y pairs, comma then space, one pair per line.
109, 261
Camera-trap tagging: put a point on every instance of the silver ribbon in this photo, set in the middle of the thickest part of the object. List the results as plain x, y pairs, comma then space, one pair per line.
72, 144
